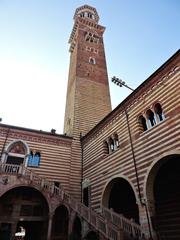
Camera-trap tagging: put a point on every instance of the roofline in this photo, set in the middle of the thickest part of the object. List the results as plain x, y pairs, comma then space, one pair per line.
34, 131
131, 94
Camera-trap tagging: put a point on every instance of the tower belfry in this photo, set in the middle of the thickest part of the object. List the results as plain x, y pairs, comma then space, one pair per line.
88, 97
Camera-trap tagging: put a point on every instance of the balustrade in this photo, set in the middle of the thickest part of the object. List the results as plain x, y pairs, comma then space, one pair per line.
125, 224
110, 224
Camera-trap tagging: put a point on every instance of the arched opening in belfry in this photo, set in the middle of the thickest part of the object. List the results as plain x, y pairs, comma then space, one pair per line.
60, 223
26, 207
120, 198
76, 233
92, 236
164, 192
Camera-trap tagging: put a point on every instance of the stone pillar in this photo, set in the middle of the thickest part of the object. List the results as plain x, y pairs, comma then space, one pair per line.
49, 232
143, 218
152, 215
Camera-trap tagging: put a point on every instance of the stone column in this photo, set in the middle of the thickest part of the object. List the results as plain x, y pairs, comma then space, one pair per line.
150, 208
49, 232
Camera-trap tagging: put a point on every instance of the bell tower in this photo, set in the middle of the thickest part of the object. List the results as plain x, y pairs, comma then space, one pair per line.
88, 97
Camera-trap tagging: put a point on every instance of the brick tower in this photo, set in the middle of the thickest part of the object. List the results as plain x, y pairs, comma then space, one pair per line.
88, 97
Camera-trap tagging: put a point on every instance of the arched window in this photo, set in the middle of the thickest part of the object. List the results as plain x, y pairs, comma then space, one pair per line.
116, 140
16, 153
82, 14
30, 159
111, 142
142, 122
159, 113
91, 37
92, 60
36, 160
151, 118
90, 15
106, 147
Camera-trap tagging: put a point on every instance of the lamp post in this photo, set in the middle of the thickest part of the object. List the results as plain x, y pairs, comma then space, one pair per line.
120, 83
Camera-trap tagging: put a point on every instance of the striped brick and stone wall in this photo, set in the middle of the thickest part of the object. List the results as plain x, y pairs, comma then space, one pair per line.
134, 157
55, 151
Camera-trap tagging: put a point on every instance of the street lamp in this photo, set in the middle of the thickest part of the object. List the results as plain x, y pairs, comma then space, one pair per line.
120, 83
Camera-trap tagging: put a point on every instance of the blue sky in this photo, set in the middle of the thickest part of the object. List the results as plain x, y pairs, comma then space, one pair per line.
34, 59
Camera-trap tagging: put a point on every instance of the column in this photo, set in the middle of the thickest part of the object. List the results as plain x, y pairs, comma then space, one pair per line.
50, 226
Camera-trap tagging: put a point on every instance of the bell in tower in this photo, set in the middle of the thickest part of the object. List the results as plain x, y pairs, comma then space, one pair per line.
88, 97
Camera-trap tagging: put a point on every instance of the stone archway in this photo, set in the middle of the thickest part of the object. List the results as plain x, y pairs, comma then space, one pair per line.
60, 223
120, 197
27, 207
163, 197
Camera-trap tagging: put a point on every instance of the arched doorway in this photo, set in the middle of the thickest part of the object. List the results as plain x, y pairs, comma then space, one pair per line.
60, 223
165, 192
76, 229
119, 196
27, 207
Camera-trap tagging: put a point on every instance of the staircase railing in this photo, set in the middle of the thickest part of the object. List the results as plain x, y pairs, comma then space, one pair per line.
109, 224
129, 226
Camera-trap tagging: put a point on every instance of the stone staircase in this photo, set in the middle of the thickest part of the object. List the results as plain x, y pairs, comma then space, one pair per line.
110, 225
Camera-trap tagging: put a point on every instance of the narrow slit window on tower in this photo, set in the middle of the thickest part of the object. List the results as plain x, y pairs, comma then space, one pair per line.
159, 113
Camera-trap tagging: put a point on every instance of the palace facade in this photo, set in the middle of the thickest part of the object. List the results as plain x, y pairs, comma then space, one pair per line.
112, 174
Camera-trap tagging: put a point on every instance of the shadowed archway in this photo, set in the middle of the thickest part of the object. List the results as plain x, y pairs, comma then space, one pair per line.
163, 191
119, 196
27, 207
60, 223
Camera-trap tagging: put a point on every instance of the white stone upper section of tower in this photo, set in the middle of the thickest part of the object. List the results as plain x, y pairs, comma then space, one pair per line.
87, 11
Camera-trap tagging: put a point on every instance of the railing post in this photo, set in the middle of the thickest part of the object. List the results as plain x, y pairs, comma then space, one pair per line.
42, 183
52, 188
31, 176
62, 195
133, 231
106, 226
20, 170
